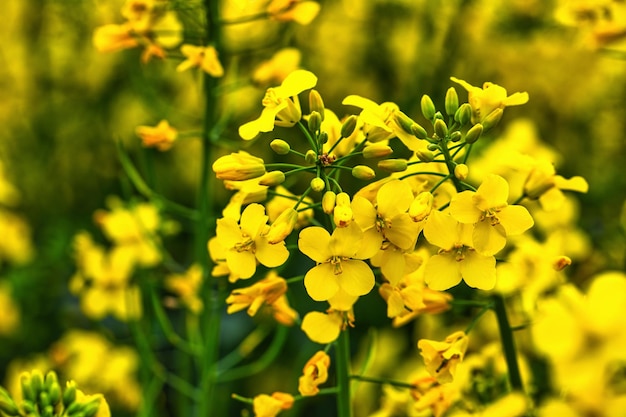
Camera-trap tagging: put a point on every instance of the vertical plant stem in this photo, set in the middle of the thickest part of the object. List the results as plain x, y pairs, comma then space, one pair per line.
342, 366
508, 343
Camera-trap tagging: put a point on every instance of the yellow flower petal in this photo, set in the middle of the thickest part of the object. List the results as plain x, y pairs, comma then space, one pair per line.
253, 220
403, 231
322, 328
441, 230
265, 122
356, 277
493, 192
314, 242
295, 83
271, 255
463, 208
488, 239
479, 271
394, 198
346, 241
573, 184
321, 282
515, 219
442, 272
242, 264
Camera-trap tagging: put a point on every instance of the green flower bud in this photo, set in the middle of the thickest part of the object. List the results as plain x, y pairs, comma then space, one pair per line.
328, 201
8, 406
55, 394
29, 407
316, 104
428, 107
280, 146
492, 119
377, 151
432, 147
441, 130
425, 156
455, 136
418, 131
50, 380
323, 137
347, 128
464, 114
74, 408
403, 121
272, 178
318, 184
310, 157
48, 411
452, 101
69, 394
44, 399
363, 172
461, 171
91, 408
314, 122
393, 165
36, 381
474, 133
27, 390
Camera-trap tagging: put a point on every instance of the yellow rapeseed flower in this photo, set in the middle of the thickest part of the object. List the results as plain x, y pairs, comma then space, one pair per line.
270, 405
442, 358
314, 373
161, 136
203, 57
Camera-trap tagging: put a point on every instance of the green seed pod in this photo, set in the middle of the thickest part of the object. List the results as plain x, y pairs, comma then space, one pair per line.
418, 131
492, 119
363, 172
452, 101
347, 128
310, 157
280, 146
393, 165
441, 130
316, 104
403, 121
272, 178
328, 201
318, 184
377, 151
425, 156
314, 122
463, 115
474, 133
428, 107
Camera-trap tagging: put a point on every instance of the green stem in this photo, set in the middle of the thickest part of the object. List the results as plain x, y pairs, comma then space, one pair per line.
508, 343
342, 360
381, 381
450, 164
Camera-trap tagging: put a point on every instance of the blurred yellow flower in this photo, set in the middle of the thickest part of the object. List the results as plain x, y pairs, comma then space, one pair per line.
489, 98
203, 57
187, 286
162, 136
10, 317
15, 245
266, 291
103, 406
113, 38
442, 358
270, 405
314, 373
277, 68
544, 185
299, 11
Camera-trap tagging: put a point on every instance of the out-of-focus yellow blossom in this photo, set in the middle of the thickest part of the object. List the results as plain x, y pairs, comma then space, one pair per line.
266, 291
300, 11
339, 262
282, 312
162, 136
276, 69
113, 38
271, 405
103, 280
457, 258
602, 22
10, 317
323, 328
442, 358
187, 286
281, 105
490, 214
238, 166
138, 13
543, 184
9, 195
434, 396
246, 243
203, 57
15, 244
489, 98
514, 404
314, 374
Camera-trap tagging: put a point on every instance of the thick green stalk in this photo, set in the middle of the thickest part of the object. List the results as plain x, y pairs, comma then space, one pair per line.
342, 366
508, 343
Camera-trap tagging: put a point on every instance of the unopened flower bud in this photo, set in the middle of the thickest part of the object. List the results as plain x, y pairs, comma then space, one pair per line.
561, 263
44, 399
323, 137
310, 157
50, 380
463, 114
342, 213
280, 146
421, 206
29, 407
418, 131
461, 171
36, 381
343, 199
328, 201
27, 390
428, 107
474, 133
403, 121
318, 184
48, 411
455, 136
238, 167
316, 104
393, 165
425, 156
492, 119
348, 126
55, 394
452, 101
441, 130
432, 147
315, 121
7, 405
282, 226
363, 172
377, 150
272, 178
91, 408
69, 394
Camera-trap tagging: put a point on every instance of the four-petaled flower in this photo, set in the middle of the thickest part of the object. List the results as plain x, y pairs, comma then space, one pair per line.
204, 57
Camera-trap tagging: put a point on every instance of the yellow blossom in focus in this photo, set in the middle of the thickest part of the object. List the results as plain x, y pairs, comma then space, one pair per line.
493, 219
276, 69
314, 373
203, 57
265, 292
299, 11
270, 405
218, 255
339, 262
442, 358
162, 136
246, 243
323, 328
281, 105
489, 98
187, 286
457, 259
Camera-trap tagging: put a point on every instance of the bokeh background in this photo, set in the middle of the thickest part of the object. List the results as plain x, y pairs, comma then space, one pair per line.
63, 104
